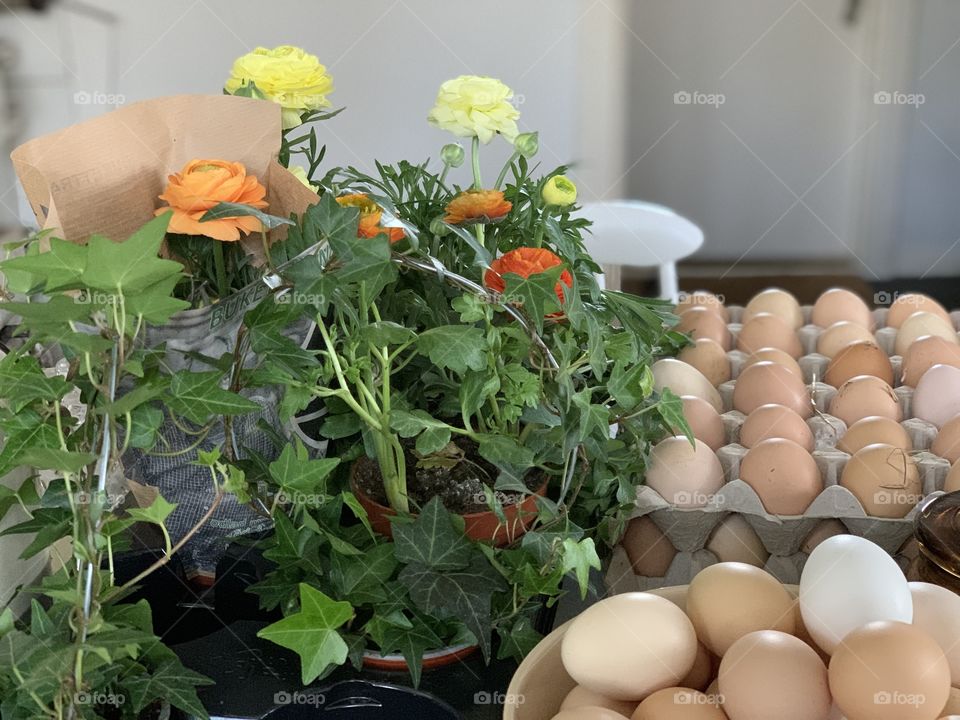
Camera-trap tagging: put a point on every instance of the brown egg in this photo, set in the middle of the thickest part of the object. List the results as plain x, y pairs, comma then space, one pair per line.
709, 358
729, 600
924, 353
682, 474
920, 325
836, 305
629, 645
649, 550
947, 442
839, 335
874, 429
705, 422
824, 529
952, 483
889, 671
679, 703
769, 354
884, 479
766, 382
863, 396
702, 672
783, 474
858, 358
776, 302
701, 322
770, 674
684, 379
581, 696
702, 298
588, 713
734, 540
775, 421
936, 398
908, 304
766, 330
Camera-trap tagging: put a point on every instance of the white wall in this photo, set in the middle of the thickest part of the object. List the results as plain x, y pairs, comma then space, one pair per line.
387, 58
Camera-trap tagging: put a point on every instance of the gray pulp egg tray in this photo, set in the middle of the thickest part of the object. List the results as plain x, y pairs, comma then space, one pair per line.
689, 529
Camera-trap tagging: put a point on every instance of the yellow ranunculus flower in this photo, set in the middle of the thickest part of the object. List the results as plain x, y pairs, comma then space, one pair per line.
559, 190
300, 174
471, 105
288, 76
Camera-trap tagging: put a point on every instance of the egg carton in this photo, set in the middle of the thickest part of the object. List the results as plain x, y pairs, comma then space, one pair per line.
620, 577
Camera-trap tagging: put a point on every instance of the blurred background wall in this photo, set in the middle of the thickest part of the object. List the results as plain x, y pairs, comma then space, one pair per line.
806, 137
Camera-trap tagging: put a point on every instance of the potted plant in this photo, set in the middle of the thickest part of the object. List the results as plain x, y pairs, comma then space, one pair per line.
468, 362
83, 652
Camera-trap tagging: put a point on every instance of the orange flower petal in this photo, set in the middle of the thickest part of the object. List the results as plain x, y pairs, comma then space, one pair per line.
477, 206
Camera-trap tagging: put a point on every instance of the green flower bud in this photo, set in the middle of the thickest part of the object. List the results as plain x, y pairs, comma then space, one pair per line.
452, 154
527, 144
250, 90
438, 227
560, 191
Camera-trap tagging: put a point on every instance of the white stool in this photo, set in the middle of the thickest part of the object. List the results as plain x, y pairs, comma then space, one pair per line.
641, 234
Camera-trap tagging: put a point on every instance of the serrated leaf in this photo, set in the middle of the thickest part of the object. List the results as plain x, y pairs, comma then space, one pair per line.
22, 382
629, 385
411, 642
578, 558
383, 333
197, 396
131, 265
670, 408
502, 450
170, 681
59, 267
536, 294
296, 471
157, 513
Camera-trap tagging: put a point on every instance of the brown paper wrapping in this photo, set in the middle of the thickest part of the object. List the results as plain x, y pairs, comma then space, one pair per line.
104, 176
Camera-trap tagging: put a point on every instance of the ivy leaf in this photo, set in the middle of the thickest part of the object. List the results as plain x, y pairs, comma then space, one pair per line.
475, 388
56, 459
432, 540
360, 580
578, 558
38, 436
22, 381
519, 640
434, 434
670, 409
456, 347
502, 450
198, 395
231, 210
49, 524
537, 293
58, 268
156, 303
462, 594
367, 260
384, 332
296, 471
312, 633
157, 513
169, 681
630, 386
341, 426
131, 265
411, 642
145, 424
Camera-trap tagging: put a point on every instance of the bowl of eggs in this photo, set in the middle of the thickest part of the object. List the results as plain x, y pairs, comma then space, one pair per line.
853, 640
807, 422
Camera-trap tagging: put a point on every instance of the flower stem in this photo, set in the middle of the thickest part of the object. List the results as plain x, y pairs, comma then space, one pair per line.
475, 157
221, 269
503, 173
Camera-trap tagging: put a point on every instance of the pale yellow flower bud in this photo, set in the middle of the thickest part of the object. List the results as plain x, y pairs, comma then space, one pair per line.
559, 191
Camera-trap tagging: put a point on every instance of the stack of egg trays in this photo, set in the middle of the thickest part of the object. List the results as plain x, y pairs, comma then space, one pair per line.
783, 536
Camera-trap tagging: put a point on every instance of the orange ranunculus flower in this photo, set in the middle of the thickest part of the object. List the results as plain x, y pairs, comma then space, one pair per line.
201, 185
473, 206
370, 214
526, 261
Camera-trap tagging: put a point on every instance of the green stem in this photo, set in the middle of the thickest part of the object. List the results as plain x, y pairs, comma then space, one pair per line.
475, 159
221, 269
503, 173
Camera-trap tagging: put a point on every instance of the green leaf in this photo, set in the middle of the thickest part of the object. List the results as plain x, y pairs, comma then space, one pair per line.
630, 385
38, 436
504, 450
312, 633
434, 434
463, 594
131, 265
383, 333
670, 408
49, 524
59, 267
170, 681
56, 459
578, 558
155, 303
146, 421
6, 621
341, 426
361, 579
294, 470
432, 540
411, 642
197, 396
157, 513
22, 382
231, 210
475, 388
537, 293
456, 347
519, 640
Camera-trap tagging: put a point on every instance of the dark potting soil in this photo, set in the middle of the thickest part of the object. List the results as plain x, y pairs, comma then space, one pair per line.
459, 484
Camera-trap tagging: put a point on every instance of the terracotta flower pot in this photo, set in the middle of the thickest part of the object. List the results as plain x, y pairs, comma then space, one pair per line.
431, 658
483, 525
